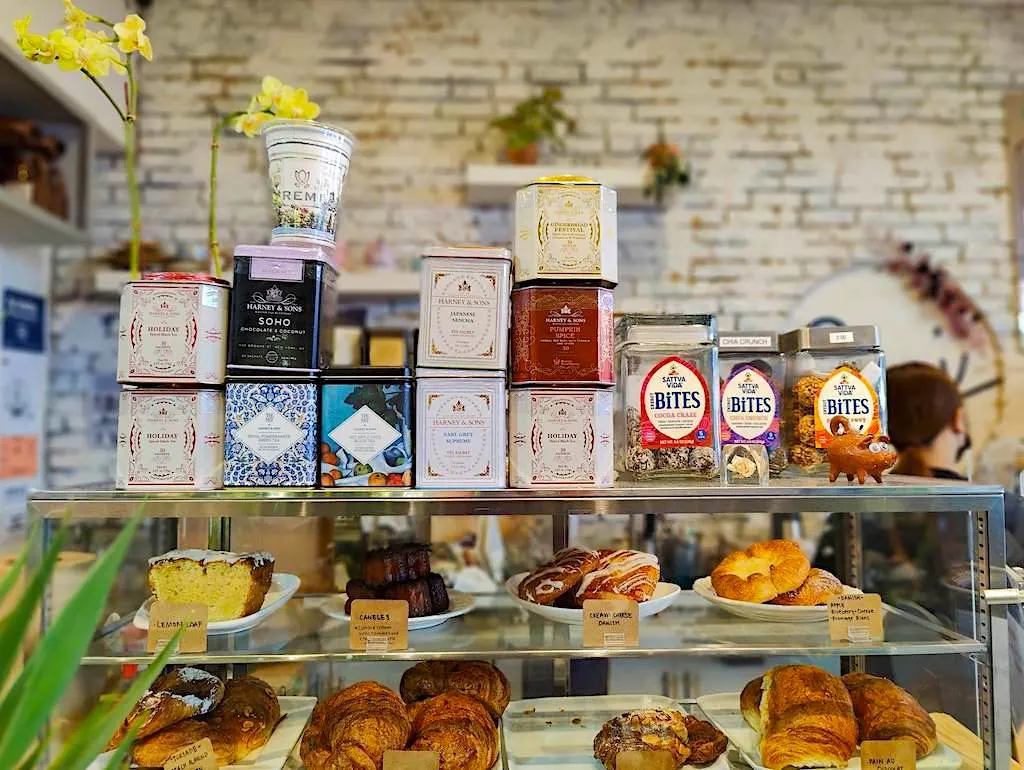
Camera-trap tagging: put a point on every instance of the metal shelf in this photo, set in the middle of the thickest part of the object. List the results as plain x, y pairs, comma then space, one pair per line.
497, 629
24, 224
786, 495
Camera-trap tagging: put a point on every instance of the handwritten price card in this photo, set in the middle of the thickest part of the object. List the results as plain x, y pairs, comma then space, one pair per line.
888, 755
165, 618
645, 760
411, 760
855, 618
198, 756
611, 623
379, 625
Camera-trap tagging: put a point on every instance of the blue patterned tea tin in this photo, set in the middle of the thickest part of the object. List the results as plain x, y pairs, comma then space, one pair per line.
270, 436
366, 427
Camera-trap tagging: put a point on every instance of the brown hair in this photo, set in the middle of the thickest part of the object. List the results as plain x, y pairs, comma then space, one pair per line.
923, 400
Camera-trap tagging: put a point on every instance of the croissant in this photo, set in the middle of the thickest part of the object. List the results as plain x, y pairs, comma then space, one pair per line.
818, 588
621, 574
885, 712
241, 723
353, 728
459, 728
761, 572
471, 677
561, 575
807, 719
174, 696
750, 703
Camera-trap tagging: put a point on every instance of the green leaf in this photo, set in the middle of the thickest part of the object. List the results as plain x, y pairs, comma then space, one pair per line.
33, 758
116, 761
38, 688
12, 575
95, 731
14, 627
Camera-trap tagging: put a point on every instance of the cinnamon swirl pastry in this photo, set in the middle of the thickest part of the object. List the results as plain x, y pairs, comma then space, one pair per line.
621, 574
561, 575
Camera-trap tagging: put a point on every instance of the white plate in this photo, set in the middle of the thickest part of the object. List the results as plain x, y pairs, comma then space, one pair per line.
664, 595
282, 588
559, 732
458, 604
724, 710
273, 755
769, 613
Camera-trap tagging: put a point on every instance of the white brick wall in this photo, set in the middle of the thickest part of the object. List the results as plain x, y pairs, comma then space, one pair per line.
812, 126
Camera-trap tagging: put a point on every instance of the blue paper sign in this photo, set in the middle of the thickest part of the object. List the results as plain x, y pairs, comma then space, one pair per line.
24, 321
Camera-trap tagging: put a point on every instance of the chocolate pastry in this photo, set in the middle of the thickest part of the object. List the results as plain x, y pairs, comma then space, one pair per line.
706, 742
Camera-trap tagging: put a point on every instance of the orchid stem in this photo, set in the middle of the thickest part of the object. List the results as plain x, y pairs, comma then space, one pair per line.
106, 93
130, 149
214, 247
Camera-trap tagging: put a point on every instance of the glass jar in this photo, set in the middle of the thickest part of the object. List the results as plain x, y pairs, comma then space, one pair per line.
667, 416
834, 371
752, 384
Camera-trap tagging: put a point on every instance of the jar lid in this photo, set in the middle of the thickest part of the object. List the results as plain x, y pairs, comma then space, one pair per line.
461, 374
748, 342
172, 277
311, 253
366, 373
830, 338
469, 252
697, 329
564, 179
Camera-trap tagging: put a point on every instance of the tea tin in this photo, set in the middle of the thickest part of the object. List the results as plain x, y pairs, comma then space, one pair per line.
563, 334
173, 330
464, 308
566, 230
461, 429
283, 308
366, 427
270, 432
560, 437
170, 438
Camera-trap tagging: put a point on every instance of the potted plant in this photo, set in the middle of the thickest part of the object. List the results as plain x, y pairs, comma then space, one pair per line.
665, 168
33, 693
532, 121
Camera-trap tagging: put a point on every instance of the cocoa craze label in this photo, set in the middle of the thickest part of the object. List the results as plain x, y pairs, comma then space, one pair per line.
750, 408
674, 406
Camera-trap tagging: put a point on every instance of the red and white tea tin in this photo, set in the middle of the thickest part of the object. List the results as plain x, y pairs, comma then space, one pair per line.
173, 330
563, 334
560, 437
170, 438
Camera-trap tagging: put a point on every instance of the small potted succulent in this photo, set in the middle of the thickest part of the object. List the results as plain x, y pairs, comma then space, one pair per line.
531, 122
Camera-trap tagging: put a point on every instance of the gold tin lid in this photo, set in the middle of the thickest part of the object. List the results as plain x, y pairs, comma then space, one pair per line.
564, 179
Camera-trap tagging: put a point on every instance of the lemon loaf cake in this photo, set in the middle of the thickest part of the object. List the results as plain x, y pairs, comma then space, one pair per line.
232, 585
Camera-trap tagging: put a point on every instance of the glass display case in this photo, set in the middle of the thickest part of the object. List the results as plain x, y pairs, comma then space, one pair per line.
944, 616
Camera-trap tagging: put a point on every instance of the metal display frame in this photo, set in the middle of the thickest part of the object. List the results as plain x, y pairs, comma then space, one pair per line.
988, 648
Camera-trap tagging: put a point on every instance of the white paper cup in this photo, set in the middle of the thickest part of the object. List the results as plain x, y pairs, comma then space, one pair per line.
308, 162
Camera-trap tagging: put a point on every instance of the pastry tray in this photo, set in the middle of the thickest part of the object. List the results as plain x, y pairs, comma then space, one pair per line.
295, 713
724, 710
558, 733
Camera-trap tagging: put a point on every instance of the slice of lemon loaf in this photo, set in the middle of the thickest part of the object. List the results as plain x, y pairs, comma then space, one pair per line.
232, 585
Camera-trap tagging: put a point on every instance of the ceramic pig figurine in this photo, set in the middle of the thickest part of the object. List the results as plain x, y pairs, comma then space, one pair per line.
857, 454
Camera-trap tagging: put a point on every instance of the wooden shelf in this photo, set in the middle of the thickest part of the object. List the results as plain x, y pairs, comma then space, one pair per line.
379, 284
22, 223
496, 184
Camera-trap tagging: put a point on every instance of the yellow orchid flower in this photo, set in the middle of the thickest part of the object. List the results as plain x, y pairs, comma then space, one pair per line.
65, 48
131, 36
75, 17
250, 123
295, 103
34, 46
269, 88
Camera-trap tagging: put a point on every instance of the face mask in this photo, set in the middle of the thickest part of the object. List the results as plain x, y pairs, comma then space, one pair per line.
964, 447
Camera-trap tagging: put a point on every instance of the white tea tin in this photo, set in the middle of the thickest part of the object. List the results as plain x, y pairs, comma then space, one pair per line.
173, 330
464, 308
170, 439
461, 429
566, 230
561, 437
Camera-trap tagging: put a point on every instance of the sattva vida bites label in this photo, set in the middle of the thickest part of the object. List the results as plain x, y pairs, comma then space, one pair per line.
848, 394
674, 406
